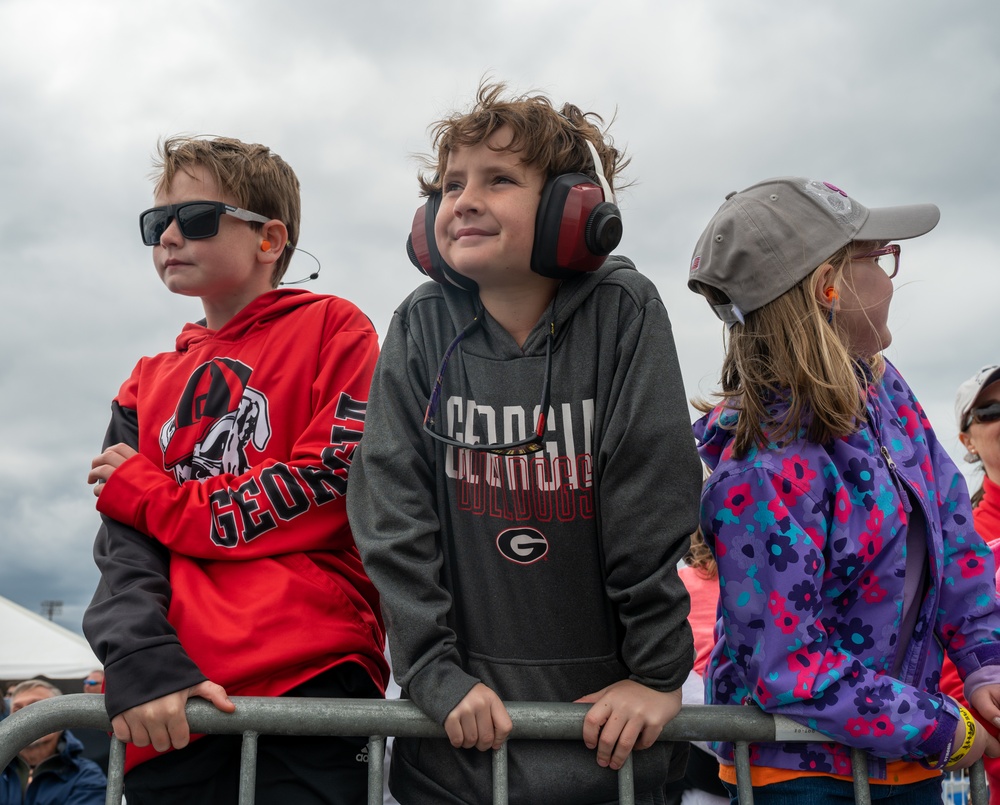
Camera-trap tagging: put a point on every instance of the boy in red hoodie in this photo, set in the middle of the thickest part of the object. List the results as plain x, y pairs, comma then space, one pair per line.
227, 562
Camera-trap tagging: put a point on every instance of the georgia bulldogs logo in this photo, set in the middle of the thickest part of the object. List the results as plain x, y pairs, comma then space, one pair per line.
217, 416
522, 545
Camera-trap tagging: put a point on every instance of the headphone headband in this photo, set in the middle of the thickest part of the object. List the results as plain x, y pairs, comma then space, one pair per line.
609, 194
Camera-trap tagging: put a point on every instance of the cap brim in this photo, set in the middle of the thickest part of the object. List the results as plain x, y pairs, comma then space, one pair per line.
989, 380
969, 392
899, 223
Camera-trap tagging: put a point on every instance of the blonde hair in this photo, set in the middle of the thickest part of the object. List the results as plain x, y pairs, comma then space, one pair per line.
553, 141
788, 351
700, 557
257, 178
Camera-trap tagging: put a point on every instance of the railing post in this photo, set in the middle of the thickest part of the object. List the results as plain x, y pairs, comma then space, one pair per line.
116, 772
500, 791
376, 764
744, 785
626, 783
979, 792
859, 771
248, 768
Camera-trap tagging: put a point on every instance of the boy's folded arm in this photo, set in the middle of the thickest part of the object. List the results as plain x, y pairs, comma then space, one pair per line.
126, 622
284, 504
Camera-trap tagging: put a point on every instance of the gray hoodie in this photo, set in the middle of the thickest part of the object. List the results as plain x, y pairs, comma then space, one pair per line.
547, 576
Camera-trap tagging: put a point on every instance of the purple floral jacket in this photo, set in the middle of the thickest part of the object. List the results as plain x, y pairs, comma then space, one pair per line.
811, 545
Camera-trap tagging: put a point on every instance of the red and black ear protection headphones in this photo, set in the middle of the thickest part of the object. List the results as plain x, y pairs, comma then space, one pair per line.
576, 228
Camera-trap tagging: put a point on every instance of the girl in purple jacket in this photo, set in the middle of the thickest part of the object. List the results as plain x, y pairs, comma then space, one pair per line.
843, 532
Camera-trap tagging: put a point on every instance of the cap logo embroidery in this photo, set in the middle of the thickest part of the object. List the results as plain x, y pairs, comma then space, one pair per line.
832, 196
695, 263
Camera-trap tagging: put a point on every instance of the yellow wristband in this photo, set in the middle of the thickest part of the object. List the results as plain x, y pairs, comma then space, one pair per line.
970, 737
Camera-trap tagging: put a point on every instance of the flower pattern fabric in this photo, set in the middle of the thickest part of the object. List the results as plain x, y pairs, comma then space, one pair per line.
810, 541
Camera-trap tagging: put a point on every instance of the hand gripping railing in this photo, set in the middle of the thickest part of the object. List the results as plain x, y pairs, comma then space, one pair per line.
377, 719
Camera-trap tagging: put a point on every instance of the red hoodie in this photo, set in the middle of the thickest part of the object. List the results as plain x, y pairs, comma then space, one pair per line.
245, 436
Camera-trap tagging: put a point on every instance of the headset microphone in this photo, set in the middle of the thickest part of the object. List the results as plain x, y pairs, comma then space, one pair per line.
312, 276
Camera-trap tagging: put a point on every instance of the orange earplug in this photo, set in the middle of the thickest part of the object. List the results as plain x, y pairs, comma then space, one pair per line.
265, 246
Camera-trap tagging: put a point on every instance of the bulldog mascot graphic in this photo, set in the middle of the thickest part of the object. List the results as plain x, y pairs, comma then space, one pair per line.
217, 416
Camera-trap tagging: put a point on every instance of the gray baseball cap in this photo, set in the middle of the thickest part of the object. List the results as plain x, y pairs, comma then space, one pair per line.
766, 239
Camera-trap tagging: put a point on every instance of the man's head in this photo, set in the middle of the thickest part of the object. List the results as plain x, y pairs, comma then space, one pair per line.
29, 692
246, 175
93, 681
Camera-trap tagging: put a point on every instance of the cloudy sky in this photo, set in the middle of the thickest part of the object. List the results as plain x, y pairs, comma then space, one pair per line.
896, 102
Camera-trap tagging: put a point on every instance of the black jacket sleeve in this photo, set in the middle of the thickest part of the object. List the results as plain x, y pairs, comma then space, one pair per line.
126, 622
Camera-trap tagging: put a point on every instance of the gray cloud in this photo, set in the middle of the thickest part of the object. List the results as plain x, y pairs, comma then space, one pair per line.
894, 101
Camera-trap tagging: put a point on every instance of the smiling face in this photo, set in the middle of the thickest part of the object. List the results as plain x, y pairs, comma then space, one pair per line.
224, 270
485, 227
861, 315
982, 439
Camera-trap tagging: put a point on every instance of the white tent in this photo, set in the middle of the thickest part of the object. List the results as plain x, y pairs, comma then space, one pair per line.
32, 646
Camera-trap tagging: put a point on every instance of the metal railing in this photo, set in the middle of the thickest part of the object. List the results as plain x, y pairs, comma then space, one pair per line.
377, 719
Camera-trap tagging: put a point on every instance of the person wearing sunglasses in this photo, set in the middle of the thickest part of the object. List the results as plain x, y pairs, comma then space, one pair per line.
842, 529
527, 482
977, 412
227, 562
977, 415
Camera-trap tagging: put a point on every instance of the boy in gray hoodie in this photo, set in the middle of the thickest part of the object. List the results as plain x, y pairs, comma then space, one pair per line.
527, 481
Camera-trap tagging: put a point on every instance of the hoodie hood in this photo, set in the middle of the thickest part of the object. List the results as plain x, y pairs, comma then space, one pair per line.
258, 313
713, 433
464, 306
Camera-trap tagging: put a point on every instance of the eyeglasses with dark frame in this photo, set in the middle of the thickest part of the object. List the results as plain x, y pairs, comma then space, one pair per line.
985, 415
887, 258
196, 219
519, 448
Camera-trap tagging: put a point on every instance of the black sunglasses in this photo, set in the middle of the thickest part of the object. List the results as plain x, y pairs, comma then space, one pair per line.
196, 219
530, 445
988, 413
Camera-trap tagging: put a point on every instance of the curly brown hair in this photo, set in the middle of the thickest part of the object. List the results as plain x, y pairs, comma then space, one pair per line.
552, 141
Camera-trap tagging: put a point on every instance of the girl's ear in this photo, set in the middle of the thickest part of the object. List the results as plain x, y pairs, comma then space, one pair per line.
823, 279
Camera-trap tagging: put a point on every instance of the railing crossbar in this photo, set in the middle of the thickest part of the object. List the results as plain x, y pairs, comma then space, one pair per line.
375, 720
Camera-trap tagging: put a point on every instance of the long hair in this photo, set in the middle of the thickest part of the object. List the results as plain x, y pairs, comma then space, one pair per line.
787, 370
700, 557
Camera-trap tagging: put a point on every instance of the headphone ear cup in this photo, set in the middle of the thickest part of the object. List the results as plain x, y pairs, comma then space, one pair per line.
575, 229
604, 229
421, 248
